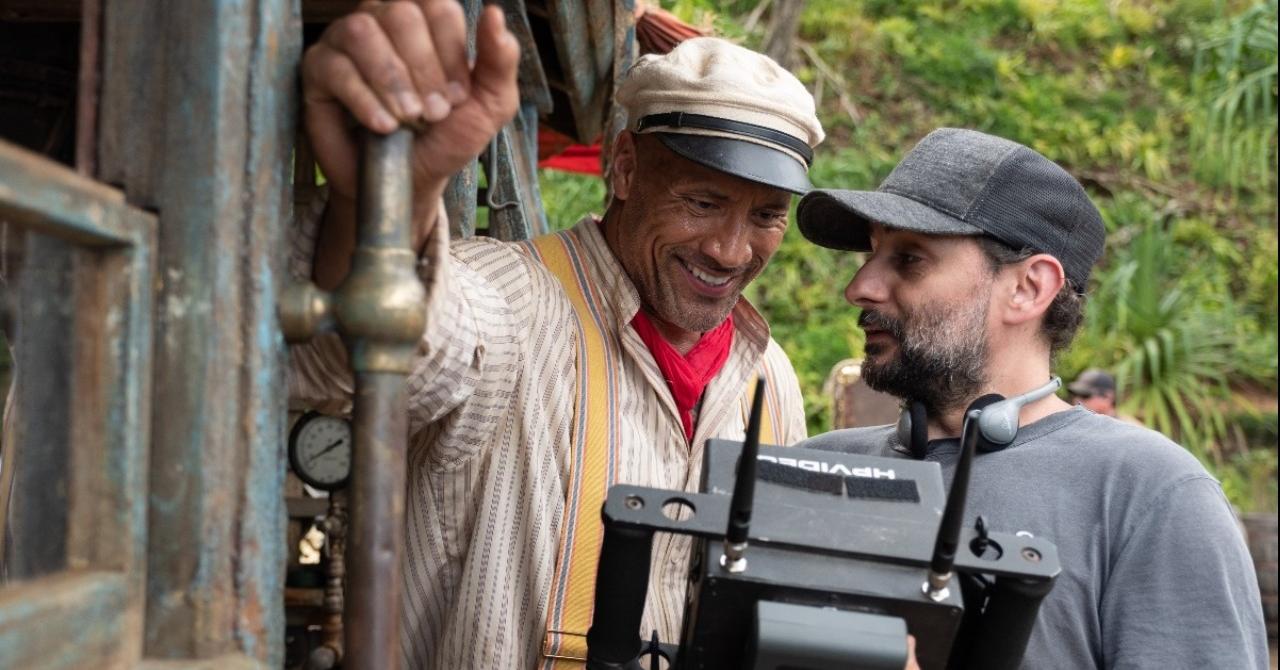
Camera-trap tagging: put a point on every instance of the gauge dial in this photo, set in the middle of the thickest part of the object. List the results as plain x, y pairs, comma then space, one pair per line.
320, 450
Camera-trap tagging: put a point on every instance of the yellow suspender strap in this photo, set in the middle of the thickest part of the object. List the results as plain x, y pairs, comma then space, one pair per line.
592, 465
770, 418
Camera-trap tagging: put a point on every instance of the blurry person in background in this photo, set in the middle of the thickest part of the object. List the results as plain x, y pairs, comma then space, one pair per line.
1095, 390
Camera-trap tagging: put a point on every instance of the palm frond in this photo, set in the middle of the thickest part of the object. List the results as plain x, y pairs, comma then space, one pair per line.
1235, 69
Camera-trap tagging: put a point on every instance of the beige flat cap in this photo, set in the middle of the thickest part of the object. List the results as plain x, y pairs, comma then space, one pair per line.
727, 108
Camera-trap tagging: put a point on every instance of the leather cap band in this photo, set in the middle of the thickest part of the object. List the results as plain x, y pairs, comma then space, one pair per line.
702, 121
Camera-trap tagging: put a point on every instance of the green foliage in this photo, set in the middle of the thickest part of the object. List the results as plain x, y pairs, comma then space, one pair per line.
1235, 81
1166, 109
1170, 355
1249, 478
1182, 327
567, 197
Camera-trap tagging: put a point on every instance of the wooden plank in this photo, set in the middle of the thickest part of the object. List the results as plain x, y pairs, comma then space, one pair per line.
41, 414
110, 419
39, 619
83, 421
46, 197
203, 137
262, 421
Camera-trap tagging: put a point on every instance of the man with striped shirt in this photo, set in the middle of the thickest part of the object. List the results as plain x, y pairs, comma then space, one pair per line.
550, 369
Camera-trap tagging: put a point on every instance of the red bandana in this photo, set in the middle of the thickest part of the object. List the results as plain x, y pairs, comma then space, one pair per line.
687, 375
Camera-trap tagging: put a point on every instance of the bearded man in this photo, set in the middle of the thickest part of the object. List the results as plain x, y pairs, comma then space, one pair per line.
552, 369
979, 253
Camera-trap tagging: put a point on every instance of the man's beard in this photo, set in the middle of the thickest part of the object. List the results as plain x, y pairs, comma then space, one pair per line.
941, 358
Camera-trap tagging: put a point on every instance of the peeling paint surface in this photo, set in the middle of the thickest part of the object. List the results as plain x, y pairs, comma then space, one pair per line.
203, 137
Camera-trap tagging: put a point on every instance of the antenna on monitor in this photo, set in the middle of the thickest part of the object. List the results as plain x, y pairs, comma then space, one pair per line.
734, 558
944, 548
990, 424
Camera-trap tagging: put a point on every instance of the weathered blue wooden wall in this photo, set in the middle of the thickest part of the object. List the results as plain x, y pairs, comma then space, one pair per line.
197, 114
175, 442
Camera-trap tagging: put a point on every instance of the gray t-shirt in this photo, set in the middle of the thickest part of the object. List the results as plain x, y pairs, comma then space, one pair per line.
1155, 573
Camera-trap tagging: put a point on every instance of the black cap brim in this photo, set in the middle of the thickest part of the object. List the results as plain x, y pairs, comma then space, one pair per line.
1081, 389
839, 219
748, 160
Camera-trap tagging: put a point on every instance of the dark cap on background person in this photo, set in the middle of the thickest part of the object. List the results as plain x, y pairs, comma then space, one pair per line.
728, 108
1092, 382
964, 182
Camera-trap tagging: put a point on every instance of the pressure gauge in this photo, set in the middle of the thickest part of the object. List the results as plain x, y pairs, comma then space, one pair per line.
320, 450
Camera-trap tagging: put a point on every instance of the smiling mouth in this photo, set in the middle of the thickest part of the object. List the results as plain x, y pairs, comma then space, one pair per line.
712, 280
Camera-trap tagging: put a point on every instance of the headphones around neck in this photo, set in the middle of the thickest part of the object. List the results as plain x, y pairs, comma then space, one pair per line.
997, 422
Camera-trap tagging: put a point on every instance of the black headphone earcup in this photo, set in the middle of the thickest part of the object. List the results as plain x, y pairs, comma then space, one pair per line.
985, 445
913, 428
919, 430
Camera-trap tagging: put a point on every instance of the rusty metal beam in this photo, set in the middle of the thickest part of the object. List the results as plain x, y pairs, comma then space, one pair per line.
48, 198
110, 420
91, 608
38, 446
88, 79
81, 420
203, 137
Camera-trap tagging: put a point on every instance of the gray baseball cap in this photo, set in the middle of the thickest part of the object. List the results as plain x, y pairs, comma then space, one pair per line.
963, 182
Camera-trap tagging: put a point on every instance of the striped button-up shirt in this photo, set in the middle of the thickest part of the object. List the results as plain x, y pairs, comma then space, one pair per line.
491, 401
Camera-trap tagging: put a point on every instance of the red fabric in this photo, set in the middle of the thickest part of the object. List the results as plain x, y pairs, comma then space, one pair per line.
659, 31
688, 375
551, 141
575, 158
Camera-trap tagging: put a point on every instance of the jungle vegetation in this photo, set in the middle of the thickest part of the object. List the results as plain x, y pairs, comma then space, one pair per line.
1164, 109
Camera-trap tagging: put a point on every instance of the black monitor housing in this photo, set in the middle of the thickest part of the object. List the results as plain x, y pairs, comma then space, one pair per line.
834, 560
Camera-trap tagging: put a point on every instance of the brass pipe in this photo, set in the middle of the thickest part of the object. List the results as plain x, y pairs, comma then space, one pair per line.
379, 309
375, 541
329, 654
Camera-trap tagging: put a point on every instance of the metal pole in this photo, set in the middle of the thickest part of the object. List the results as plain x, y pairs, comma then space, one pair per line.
377, 510
380, 313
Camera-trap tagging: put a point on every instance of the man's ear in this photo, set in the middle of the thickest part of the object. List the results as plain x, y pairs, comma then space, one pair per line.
1037, 281
623, 165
